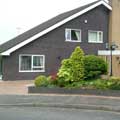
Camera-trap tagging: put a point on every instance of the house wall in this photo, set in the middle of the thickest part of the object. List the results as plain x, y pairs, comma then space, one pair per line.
54, 46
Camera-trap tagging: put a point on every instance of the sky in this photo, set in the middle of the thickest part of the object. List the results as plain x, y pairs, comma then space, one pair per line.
18, 16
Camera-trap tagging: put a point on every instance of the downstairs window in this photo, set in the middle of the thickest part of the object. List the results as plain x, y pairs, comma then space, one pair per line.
31, 63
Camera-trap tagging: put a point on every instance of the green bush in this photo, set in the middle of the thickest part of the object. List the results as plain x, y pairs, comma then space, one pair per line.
65, 73
77, 59
94, 66
41, 81
72, 69
114, 83
100, 84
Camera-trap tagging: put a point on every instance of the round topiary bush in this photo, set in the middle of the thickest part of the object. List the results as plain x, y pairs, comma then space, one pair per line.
41, 81
94, 66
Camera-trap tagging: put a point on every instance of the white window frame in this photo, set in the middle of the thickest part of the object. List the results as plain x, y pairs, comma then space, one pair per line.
70, 40
98, 41
32, 63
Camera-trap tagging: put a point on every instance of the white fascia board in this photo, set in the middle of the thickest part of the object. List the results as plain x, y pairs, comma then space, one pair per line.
108, 52
9, 51
107, 1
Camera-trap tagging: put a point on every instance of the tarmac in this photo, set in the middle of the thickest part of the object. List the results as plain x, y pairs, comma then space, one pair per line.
62, 101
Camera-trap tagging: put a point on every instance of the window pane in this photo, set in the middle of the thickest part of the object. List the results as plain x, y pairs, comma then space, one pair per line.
37, 61
67, 34
41, 60
25, 62
100, 36
93, 36
75, 35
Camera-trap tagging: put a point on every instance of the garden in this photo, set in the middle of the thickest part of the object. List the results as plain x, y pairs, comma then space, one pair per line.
80, 71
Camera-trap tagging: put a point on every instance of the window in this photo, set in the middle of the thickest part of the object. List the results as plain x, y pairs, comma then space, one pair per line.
95, 36
73, 35
31, 63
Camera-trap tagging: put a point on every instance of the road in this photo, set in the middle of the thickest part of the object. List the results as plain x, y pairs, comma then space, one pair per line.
40, 113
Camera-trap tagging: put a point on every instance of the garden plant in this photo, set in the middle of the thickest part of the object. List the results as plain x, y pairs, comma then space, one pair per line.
80, 71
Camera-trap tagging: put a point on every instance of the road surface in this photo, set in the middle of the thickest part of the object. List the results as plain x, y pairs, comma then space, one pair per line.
44, 113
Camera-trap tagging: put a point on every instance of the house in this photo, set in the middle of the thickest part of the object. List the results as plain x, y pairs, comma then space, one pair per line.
41, 49
114, 38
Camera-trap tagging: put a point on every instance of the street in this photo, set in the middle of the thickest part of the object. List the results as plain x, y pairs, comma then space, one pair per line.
45, 113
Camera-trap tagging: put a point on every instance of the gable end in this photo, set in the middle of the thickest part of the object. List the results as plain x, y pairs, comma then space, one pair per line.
9, 51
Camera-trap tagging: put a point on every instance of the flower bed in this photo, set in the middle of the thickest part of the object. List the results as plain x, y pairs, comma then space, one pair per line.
57, 90
79, 74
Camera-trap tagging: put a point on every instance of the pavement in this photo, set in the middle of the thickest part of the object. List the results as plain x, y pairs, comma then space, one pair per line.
14, 87
15, 94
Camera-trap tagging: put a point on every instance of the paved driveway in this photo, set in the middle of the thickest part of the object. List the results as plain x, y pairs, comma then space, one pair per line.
14, 87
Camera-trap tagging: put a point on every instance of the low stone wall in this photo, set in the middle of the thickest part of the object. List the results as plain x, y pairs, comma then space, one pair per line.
45, 90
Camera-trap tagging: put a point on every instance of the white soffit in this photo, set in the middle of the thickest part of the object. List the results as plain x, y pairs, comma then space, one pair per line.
9, 51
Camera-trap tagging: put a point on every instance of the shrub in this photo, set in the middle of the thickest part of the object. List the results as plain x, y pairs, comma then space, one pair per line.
94, 66
100, 84
41, 81
72, 69
114, 83
77, 59
53, 79
65, 73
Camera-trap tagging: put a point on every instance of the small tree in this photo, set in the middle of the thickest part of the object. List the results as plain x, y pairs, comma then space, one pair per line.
65, 73
72, 69
77, 59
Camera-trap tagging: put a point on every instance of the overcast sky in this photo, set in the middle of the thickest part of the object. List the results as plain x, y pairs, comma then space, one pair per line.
17, 16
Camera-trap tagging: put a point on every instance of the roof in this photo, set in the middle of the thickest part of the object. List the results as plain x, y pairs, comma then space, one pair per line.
31, 35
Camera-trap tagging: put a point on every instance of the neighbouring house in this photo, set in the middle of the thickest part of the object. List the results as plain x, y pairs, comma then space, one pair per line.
41, 49
114, 38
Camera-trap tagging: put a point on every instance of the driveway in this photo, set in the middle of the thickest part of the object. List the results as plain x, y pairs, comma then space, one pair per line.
14, 87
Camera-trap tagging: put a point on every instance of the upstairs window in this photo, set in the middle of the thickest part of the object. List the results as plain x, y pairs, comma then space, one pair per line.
73, 35
31, 63
95, 36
